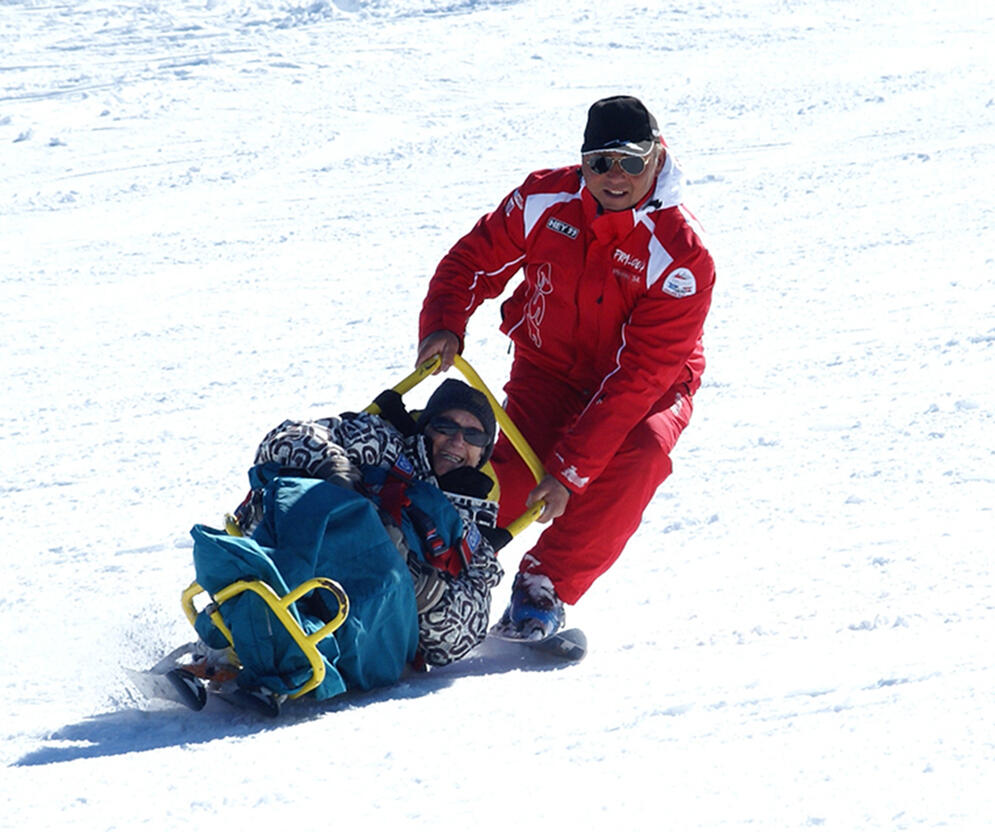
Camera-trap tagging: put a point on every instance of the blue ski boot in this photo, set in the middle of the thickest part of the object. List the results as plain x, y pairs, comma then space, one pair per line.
535, 612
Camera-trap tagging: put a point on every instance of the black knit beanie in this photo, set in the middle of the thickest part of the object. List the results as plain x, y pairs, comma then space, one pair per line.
454, 394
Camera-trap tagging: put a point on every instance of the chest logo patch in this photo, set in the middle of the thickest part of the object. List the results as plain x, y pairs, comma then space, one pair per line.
625, 259
560, 227
680, 283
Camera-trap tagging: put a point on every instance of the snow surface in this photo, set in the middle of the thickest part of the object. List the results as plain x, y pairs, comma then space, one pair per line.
216, 215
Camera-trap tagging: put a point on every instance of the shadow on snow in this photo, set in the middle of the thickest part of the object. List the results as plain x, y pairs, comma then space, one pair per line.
165, 725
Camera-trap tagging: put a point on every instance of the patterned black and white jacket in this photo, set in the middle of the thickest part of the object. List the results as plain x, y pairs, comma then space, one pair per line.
453, 610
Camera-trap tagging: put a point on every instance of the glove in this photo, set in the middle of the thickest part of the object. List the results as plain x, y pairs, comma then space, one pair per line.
467, 481
392, 410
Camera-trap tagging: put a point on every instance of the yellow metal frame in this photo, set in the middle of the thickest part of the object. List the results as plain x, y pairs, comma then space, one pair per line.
508, 428
280, 606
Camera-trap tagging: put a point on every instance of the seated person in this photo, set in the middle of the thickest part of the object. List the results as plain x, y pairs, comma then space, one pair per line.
447, 445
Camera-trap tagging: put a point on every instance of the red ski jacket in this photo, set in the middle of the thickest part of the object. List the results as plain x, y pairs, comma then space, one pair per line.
612, 302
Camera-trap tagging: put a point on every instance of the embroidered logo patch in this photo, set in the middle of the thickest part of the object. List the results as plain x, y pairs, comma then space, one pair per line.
563, 228
541, 276
680, 283
573, 476
629, 277
626, 259
473, 537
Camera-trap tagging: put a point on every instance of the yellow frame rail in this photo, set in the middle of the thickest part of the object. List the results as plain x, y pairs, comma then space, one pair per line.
280, 605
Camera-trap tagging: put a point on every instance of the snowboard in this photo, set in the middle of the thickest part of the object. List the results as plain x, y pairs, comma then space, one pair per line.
570, 645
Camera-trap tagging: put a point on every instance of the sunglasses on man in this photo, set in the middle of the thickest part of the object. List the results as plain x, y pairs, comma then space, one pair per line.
447, 427
601, 163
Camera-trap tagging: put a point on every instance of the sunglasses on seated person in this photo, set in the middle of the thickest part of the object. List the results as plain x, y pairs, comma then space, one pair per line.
601, 163
447, 427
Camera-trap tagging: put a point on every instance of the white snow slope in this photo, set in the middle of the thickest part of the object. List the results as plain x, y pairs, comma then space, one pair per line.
217, 215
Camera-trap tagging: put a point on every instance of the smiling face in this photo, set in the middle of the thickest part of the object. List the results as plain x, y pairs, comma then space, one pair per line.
452, 452
617, 190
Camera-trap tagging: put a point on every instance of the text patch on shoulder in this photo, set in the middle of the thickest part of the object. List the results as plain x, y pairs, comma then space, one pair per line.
561, 227
680, 283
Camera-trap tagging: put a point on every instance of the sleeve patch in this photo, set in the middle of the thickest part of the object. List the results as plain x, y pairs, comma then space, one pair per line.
514, 201
680, 283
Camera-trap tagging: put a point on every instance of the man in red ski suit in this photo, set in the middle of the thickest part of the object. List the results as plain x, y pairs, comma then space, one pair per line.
607, 328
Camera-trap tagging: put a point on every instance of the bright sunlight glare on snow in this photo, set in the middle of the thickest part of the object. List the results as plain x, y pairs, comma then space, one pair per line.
219, 214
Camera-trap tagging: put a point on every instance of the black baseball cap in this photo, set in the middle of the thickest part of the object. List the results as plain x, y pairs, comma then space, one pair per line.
621, 124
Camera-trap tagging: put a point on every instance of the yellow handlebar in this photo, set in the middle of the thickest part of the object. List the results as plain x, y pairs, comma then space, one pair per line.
409, 382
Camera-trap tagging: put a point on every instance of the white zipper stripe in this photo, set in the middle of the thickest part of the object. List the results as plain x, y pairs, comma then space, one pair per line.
604, 381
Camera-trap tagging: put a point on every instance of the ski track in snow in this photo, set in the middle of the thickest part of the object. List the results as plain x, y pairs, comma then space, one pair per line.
220, 214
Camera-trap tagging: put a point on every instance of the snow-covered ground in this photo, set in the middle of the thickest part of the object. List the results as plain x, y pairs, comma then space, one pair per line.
216, 215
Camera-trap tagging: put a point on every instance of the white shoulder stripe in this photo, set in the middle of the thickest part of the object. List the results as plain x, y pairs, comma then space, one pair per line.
537, 204
659, 260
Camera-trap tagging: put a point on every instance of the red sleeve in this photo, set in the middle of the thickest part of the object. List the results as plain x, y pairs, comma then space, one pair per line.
658, 340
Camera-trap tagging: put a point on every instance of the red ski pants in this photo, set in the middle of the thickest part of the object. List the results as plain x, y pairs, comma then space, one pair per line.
589, 536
